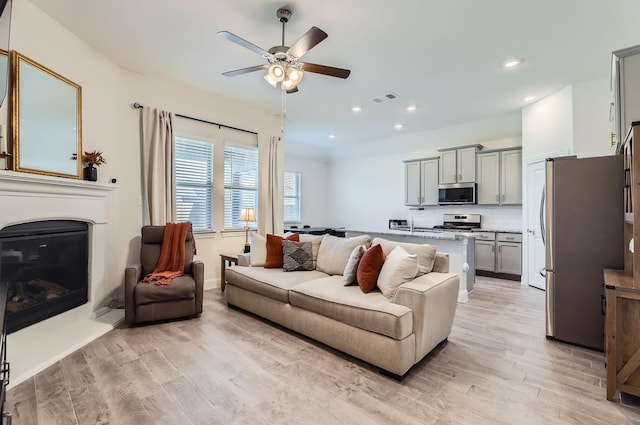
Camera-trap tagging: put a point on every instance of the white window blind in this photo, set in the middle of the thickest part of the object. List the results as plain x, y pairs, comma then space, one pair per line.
193, 167
291, 196
240, 184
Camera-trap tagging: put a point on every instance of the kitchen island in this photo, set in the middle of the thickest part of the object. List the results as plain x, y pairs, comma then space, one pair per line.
460, 247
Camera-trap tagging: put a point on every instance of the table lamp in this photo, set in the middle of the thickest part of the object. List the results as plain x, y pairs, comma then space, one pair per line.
247, 215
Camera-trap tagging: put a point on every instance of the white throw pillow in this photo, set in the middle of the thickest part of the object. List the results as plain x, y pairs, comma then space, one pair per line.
351, 269
258, 250
334, 252
399, 267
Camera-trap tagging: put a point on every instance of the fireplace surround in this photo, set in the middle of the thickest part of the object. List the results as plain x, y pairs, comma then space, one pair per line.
29, 198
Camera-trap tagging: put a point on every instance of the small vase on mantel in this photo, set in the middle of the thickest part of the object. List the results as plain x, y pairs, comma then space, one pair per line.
91, 160
90, 173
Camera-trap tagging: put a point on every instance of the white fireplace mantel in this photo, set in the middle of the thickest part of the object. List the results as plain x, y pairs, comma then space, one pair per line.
37, 184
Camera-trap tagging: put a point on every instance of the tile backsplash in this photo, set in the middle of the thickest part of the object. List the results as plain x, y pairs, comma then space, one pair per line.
493, 217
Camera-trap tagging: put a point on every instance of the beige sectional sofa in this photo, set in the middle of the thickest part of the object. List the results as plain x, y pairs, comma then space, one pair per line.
391, 333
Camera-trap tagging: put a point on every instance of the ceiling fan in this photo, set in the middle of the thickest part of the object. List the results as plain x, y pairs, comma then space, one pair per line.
284, 66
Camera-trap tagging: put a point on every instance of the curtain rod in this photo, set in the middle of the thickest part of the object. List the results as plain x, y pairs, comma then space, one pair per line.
139, 106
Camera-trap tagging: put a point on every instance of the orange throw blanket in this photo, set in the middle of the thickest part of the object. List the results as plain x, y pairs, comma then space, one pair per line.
171, 262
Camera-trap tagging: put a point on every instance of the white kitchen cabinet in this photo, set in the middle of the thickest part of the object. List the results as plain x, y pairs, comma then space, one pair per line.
499, 252
421, 182
448, 167
412, 183
466, 165
500, 177
429, 181
511, 177
458, 165
488, 190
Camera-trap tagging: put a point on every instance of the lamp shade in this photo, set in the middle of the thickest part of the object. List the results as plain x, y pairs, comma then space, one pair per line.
247, 214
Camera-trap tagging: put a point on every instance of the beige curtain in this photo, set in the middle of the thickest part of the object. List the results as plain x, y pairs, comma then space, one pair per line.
270, 201
157, 165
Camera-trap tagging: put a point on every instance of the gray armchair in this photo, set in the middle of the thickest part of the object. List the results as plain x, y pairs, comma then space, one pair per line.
147, 302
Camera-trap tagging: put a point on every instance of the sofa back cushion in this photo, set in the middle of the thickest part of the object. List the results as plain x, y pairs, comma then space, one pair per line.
315, 240
426, 253
334, 252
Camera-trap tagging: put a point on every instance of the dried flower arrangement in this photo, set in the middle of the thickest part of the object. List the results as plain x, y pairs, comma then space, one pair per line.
93, 158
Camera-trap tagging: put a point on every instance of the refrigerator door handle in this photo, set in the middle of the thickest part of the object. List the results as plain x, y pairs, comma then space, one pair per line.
550, 317
542, 226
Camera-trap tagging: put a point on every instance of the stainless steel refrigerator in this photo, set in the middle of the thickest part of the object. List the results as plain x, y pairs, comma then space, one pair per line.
583, 235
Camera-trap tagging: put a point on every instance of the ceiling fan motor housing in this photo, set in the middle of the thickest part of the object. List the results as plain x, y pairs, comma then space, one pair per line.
283, 14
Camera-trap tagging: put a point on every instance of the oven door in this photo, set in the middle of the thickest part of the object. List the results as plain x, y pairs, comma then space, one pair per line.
456, 194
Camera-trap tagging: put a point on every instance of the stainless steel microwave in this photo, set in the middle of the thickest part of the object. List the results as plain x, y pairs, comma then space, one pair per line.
457, 193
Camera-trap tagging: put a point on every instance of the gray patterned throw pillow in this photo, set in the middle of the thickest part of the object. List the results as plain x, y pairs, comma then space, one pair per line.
296, 256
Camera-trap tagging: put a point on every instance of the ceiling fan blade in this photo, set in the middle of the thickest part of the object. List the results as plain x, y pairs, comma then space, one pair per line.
244, 43
307, 42
244, 70
326, 70
293, 90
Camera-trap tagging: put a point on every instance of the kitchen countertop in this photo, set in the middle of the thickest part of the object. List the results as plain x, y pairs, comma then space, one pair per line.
419, 233
431, 229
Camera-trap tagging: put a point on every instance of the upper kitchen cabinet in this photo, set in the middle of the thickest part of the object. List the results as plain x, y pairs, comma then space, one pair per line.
500, 177
421, 182
458, 165
625, 73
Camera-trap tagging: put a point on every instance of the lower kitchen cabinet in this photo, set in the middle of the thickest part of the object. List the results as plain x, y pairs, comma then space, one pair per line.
486, 251
499, 253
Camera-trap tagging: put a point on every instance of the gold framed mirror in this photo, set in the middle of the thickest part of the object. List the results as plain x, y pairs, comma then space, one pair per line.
46, 120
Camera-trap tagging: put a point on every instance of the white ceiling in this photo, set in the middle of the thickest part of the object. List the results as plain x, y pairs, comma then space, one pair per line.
444, 56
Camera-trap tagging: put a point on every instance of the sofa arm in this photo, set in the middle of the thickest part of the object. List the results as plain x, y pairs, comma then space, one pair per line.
197, 268
433, 298
244, 259
131, 279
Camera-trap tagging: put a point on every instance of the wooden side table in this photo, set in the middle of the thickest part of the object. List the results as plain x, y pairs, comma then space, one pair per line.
226, 260
622, 330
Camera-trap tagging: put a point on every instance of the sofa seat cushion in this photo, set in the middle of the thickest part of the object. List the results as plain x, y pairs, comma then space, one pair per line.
272, 283
348, 304
181, 288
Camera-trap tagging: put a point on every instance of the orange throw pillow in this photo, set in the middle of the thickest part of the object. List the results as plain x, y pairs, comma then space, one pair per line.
369, 268
274, 250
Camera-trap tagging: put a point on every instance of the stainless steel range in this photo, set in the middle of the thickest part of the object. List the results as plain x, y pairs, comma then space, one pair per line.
464, 222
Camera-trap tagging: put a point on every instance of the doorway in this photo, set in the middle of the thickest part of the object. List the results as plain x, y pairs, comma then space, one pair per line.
534, 244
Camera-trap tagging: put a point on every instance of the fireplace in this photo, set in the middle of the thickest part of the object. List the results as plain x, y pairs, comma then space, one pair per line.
45, 264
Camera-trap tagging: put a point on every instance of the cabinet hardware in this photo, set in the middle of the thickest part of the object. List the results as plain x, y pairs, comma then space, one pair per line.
603, 305
504, 197
613, 136
459, 177
497, 198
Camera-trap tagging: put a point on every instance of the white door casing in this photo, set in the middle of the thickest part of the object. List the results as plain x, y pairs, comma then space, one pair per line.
536, 250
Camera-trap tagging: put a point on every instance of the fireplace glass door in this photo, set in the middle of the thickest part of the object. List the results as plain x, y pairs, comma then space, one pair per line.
45, 265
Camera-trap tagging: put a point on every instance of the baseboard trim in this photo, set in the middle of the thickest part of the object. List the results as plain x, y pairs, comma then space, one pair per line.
211, 284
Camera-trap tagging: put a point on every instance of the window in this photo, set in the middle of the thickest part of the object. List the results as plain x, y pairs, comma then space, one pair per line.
291, 197
240, 184
193, 167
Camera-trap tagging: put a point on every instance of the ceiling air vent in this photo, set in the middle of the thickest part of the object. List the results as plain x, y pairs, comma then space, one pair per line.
384, 98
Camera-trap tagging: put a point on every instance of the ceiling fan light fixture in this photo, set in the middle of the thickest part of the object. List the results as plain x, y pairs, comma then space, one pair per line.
292, 77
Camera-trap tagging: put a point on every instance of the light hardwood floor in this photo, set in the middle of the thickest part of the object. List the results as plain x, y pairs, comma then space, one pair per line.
229, 367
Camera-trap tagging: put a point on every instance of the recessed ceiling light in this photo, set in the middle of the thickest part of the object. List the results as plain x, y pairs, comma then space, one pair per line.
411, 108
332, 136
529, 98
356, 108
511, 63
398, 126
